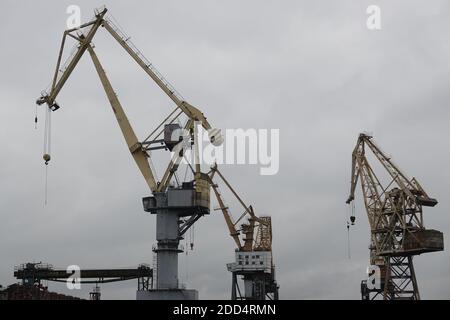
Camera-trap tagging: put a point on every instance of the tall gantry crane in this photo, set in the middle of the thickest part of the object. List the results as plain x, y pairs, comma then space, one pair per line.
177, 204
396, 223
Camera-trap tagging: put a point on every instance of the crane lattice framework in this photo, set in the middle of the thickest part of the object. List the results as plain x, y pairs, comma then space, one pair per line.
178, 207
253, 257
395, 215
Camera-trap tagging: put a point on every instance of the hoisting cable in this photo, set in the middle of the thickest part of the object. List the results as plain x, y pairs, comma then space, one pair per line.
187, 266
46, 185
47, 136
350, 221
35, 118
189, 164
192, 240
175, 175
47, 148
352, 216
192, 237
185, 172
348, 241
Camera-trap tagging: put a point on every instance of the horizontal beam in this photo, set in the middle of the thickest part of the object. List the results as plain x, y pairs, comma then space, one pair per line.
49, 274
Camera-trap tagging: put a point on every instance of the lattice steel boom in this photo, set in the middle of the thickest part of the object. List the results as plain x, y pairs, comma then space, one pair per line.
395, 217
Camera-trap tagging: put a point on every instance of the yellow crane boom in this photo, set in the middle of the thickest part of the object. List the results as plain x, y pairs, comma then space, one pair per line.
137, 149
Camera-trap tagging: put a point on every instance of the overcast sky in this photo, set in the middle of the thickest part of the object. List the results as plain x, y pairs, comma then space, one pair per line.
309, 68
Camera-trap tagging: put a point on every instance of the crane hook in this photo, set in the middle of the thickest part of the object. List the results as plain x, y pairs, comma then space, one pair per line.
46, 158
352, 215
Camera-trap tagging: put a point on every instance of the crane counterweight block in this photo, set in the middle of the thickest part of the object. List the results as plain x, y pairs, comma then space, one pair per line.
426, 201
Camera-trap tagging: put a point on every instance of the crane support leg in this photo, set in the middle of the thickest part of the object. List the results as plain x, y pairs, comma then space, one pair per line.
401, 280
233, 285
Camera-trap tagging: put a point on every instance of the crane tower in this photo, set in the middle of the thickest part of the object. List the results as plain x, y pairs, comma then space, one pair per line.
177, 203
398, 233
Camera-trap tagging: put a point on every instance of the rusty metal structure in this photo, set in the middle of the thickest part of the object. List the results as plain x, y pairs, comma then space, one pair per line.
253, 256
395, 213
32, 276
35, 273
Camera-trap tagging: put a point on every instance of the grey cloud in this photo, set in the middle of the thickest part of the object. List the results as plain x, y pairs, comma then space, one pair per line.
309, 68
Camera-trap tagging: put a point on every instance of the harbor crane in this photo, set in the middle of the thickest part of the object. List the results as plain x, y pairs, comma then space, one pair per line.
398, 233
177, 203
253, 256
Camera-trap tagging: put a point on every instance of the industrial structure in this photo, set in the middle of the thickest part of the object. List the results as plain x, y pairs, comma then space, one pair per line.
177, 203
33, 274
398, 233
254, 260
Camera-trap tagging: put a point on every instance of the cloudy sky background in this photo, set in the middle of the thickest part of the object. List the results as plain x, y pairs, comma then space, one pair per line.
310, 68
